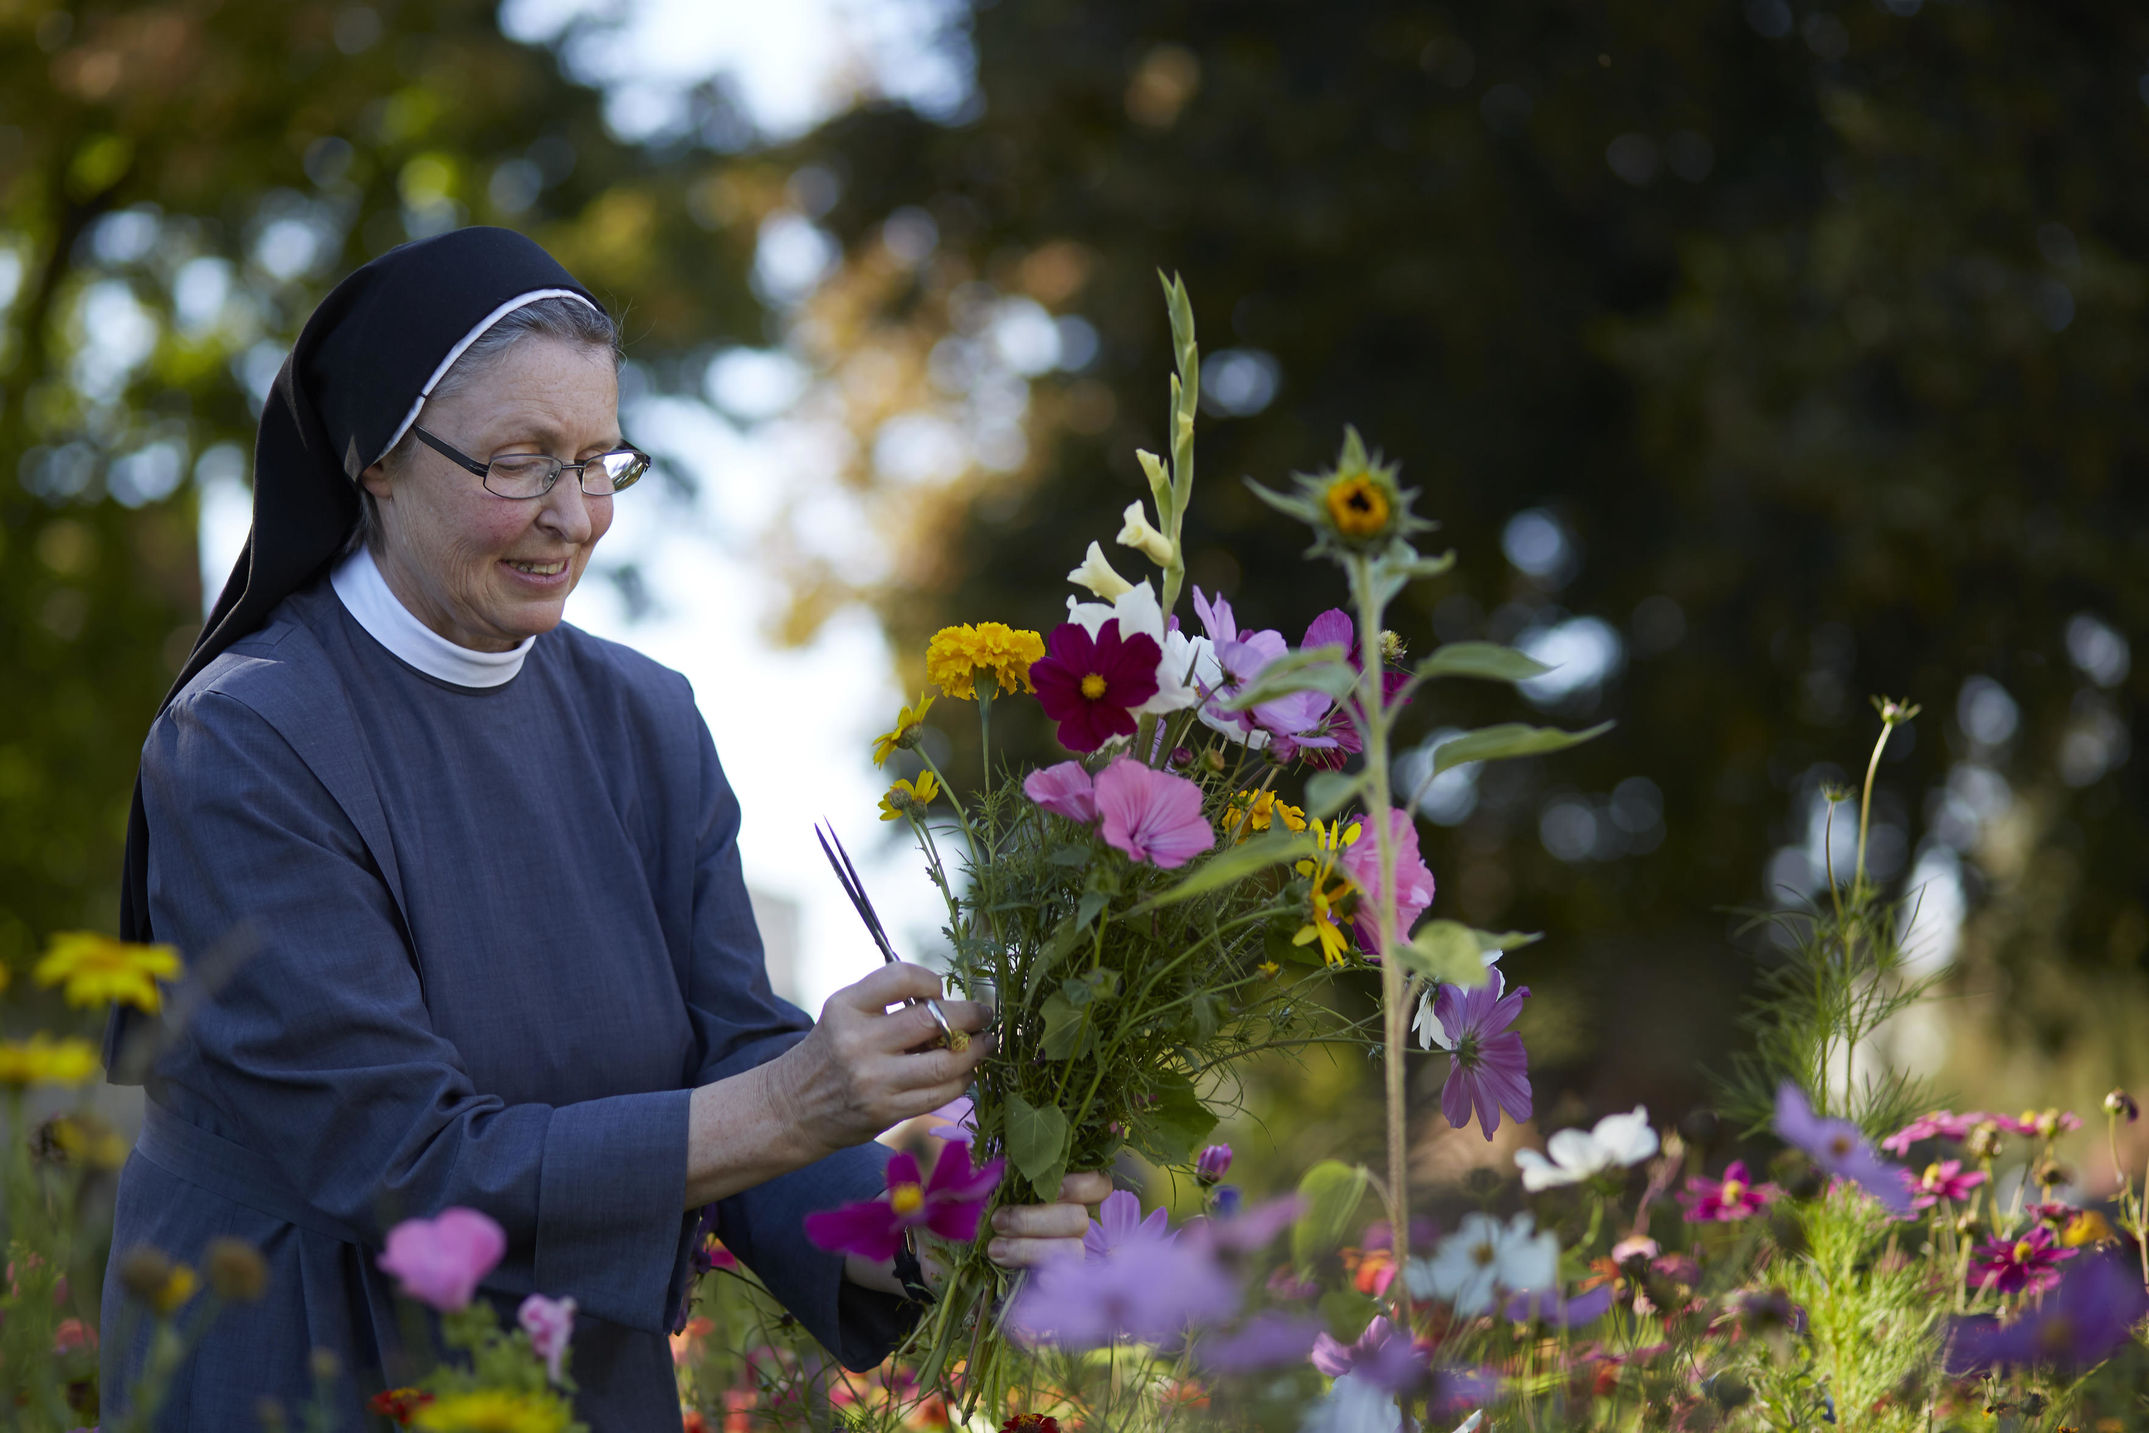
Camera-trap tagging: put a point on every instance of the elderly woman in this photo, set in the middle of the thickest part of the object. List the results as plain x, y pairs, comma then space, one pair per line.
461, 891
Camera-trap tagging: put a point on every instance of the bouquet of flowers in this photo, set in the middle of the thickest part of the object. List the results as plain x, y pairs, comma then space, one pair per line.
1161, 904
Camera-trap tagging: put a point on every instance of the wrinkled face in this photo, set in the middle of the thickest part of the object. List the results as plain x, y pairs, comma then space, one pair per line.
482, 570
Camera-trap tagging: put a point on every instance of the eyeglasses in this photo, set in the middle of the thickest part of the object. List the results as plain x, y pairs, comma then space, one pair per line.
531, 475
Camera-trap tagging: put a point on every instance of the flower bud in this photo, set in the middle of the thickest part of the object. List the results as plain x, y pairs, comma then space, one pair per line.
143, 1272
1138, 534
1097, 575
2121, 1104
1182, 756
1391, 646
236, 1270
1983, 1141
1213, 1163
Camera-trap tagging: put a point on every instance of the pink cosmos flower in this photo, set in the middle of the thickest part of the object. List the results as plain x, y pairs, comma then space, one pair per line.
950, 1204
549, 1323
1091, 685
440, 1261
1720, 1201
2039, 1124
2012, 1265
1939, 1124
1065, 790
1413, 879
1941, 1180
1153, 816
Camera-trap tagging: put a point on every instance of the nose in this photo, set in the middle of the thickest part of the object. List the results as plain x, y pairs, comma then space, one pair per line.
565, 511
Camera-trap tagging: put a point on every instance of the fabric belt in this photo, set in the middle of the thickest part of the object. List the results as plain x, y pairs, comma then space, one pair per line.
230, 1171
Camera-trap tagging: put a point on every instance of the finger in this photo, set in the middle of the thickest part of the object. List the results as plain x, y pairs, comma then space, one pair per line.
1041, 1221
966, 1014
1089, 1186
890, 985
1029, 1253
939, 1067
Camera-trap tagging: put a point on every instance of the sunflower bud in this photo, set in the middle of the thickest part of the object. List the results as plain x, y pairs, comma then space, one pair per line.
1097, 575
1137, 533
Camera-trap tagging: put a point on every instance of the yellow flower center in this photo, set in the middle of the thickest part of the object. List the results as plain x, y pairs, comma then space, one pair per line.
2024, 1249
1093, 686
906, 1198
1357, 506
1732, 1190
1932, 1175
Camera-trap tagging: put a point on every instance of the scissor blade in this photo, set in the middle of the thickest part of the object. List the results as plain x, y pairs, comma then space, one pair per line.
848, 877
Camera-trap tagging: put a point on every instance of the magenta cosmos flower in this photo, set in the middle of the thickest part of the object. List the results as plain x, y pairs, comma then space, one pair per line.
1938, 1124
550, 1323
1413, 879
1943, 1179
2012, 1265
1065, 790
1151, 815
1720, 1201
1091, 685
1488, 1070
2038, 1124
440, 1261
950, 1204
1838, 1147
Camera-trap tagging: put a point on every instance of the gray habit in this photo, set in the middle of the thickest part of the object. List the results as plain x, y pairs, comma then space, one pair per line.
452, 946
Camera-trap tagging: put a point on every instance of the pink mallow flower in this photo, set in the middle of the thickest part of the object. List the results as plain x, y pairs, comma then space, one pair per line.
1941, 1180
950, 1204
549, 1323
2013, 1265
1720, 1201
1065, 790
1152, 815
1413, 879
440, 1261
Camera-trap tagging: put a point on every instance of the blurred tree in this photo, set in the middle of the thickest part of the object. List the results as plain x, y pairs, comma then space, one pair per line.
1757, 357
181, 183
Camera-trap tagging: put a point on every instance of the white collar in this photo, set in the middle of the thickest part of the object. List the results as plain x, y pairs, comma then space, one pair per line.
366, 595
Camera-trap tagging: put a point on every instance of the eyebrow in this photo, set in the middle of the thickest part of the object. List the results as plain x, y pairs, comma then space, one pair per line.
550, 436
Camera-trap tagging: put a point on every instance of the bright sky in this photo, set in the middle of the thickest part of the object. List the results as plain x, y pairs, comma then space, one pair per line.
794, 726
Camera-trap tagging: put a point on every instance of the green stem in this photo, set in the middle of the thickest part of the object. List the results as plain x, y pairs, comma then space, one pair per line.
1865, 805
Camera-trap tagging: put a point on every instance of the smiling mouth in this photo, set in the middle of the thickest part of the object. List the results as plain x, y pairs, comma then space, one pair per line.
539, 569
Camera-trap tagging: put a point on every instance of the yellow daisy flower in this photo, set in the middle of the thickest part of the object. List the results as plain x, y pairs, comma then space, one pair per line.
908, 799
956, 655
42, 1060
98, 970
492, 1411
1252, 811
1327, 923
905, 734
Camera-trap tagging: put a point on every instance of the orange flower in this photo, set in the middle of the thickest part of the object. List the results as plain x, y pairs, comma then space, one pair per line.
399, 1403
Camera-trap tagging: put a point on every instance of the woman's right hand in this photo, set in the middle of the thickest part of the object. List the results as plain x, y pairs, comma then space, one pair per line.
865, 1068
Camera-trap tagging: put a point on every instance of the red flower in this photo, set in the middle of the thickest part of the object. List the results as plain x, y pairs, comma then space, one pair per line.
1090, 686
399, 1403
1031, 1423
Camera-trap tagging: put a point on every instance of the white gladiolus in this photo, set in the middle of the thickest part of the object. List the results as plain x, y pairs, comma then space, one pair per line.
1577, 1155
1138, 534
1097, 575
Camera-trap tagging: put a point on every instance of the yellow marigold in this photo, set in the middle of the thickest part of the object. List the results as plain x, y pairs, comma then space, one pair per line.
956, 655
909, 799
98, 970
42, 1060
492, 1411
905, 734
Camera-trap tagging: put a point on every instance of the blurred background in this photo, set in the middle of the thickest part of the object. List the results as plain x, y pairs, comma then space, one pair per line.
1757, 356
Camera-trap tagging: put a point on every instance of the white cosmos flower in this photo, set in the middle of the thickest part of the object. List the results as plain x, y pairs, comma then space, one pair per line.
1356, 1405
1097, 575
1577, 1155
1484, 1258
1137, 533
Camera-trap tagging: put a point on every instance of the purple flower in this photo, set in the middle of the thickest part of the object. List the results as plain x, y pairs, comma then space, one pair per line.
1213, 1164
2084, 1323
1383, 1356
439, 1262
1091, 685
1152, 815
950, 1205
1119, 1218
1413, 879
1238, 1231
1217, 618
1839, 1148
1266, 1340
1149, 1288
1547, 1307
2014, 1265
1488, 1069
549, 1323
958, 1119
1065, 790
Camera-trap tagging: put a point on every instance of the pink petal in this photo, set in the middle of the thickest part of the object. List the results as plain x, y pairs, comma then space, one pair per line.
1065, 790
868, 1227
1152, 815
441, 1261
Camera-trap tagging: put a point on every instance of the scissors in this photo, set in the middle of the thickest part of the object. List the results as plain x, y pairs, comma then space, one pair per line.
840, 859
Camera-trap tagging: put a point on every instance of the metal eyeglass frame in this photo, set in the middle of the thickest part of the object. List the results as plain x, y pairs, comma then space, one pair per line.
484, 470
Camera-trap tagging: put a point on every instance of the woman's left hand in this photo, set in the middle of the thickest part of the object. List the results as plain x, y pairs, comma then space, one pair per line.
1026, 1235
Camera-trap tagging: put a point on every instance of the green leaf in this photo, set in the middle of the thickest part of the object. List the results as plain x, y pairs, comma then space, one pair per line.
1073, 854
1298, 507
1170, 1130
1090, 989
1488, 661
1268, 849
1062, 941
1036, 1140
1346, 1312
1494, 743
1328, 1199
1446, 951
1315, 669
1092, 902
1067, 1033
1327, 792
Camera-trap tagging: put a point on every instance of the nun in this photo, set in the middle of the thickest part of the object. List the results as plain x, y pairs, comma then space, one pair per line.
459, 886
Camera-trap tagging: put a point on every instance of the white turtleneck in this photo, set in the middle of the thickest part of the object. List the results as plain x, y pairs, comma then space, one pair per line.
369, 599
